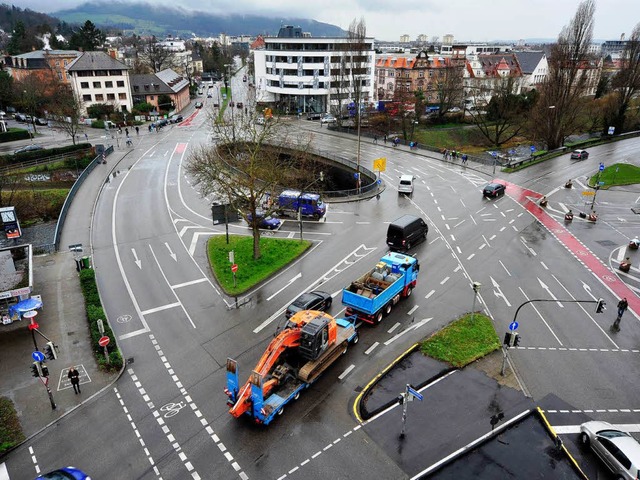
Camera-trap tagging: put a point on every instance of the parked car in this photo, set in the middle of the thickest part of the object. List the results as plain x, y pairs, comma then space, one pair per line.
579, 155
314, 115
266, 222
493, 190
42, 121
175, 118
239, 105
67, 473
315, 300
618, 450
231, 104
198, 104
328, 118
28, 148
21, 117
162, 122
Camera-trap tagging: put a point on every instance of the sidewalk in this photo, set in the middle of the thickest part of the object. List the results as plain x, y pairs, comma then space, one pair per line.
62, 320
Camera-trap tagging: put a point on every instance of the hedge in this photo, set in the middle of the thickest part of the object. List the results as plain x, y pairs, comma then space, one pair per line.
95, 311
10, 429
14, 134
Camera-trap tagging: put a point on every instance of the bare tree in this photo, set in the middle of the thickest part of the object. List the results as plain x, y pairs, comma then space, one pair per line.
502, 118
155, 57
449, 87
66, 110
249, 164
557, 113
31, 93
626, 83
358, 62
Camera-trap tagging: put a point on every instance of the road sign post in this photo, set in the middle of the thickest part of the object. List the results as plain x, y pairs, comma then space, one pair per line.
234, 269
407, 396
103, 342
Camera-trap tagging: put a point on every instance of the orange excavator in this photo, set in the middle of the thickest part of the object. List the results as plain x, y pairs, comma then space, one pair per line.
295, 358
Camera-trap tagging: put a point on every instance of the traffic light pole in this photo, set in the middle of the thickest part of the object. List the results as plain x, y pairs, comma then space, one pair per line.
45, 382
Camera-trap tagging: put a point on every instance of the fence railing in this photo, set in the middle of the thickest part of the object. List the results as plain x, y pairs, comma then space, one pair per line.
41, 161
72, 193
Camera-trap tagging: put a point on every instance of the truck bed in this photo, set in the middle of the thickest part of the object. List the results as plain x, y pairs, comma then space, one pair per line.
369, 295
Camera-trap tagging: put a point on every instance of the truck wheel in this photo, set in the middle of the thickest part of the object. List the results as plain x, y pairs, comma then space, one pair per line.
378, 317
387, 308
346, 347
355, 339
281, 411
409, 292
297, 395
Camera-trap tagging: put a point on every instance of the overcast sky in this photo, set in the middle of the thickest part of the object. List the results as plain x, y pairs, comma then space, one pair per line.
478, 20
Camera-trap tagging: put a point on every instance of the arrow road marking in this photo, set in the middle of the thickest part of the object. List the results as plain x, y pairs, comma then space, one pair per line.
497, 292
171, 254
587, 289
137, 261
545, 287
299, 275
412, 327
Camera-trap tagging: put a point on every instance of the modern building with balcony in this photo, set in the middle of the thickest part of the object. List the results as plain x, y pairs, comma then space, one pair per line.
298, 74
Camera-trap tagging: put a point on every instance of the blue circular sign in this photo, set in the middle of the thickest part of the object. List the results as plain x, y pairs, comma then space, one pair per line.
379, 181
602, 167
38, 356
513, 326
533, 148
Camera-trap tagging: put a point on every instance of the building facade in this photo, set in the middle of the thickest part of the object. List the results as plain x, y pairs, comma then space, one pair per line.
149, 87
302, 74
49, 65
98, 78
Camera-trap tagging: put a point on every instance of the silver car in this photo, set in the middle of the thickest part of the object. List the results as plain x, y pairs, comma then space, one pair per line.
617, 449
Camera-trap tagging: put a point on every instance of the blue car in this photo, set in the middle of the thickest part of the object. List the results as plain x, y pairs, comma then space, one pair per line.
268, 222
68, 473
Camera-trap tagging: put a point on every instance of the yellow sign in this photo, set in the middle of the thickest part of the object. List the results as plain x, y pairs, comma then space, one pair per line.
588, 193
380, 164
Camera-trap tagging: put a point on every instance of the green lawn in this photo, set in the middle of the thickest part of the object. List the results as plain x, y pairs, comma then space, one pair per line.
276, 253
10, 428
617, 174
463, 341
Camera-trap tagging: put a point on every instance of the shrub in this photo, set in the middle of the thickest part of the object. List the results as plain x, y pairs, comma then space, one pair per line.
95, 312
10, 428
14, 134
99, 110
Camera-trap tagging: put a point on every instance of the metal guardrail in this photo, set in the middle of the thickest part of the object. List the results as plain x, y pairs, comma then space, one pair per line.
72, 193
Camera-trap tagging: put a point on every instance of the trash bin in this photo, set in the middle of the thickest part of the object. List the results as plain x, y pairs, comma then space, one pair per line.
86, 262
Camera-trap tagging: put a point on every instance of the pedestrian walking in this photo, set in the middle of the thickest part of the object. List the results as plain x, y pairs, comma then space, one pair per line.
384, 139
129, 142
150, 128
86, 137
137, 130
464, 158
126, 131
74, 376
375, 139
622, 306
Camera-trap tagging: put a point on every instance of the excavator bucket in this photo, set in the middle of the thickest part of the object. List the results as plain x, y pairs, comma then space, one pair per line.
233, 383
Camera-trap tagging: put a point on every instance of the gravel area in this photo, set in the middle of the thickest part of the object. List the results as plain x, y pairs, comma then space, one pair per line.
40, 236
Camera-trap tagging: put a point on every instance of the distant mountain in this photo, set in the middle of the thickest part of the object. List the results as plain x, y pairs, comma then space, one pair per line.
150, 19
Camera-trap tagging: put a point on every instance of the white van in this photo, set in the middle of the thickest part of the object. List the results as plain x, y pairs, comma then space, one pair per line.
406, 184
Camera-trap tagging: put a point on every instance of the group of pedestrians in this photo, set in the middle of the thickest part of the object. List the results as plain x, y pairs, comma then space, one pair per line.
454, 155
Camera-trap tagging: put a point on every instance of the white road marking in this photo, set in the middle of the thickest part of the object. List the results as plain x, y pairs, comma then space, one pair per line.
163, 307
346, 372
429, 294
192, 282
371, 348
298, 276
540, 315
415, 307
394, 327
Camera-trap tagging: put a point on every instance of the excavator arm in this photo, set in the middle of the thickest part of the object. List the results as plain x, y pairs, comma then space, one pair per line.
289, 338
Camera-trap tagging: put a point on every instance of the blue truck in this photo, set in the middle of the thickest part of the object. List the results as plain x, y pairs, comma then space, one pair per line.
294, 202
374, 294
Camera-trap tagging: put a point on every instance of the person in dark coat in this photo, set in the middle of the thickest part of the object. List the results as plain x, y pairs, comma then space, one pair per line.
74, 376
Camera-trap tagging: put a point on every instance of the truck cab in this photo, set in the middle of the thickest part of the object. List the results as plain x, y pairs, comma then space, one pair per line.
307, 204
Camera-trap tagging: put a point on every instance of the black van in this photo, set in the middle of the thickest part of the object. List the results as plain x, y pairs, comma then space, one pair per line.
406, 231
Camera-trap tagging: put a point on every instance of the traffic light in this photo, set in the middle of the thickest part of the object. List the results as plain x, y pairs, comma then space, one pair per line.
600, 307
36, 369
516, 340
511, 339
50, 351
400, 399
45, 370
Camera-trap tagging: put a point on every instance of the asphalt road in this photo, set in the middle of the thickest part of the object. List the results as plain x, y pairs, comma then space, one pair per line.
167, 416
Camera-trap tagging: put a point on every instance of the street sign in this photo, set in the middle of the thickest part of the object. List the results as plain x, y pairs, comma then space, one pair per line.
611, 130
415, 393
513, 326
380, 164
104, 341
38, 356
600, 183
601, 167
494, 154
588, 193
231, 256
533, 148
234, 267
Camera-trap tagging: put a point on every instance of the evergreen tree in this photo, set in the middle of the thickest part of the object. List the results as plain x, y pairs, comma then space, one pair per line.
87, 38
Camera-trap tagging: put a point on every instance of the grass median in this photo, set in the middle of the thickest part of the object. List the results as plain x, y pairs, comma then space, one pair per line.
463, 341
616, 174
276, 253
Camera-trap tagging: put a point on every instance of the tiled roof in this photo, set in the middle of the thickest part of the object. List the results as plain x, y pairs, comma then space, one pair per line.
529, 60
172, 79
95, 61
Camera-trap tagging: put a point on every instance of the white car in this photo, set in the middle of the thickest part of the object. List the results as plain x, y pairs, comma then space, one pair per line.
406, 184
328, 118
617, 449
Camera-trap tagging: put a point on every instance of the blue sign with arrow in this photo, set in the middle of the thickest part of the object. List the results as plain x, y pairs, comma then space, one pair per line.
415, 393
513, 326
601, 168
533, 148
38, 356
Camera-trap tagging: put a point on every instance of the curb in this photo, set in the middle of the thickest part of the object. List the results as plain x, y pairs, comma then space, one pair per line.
362, 414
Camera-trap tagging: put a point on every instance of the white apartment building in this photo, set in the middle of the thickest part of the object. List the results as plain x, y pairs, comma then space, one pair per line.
97, 77
302, 74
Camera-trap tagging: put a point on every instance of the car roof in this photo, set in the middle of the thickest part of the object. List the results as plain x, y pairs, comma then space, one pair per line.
579, 150
629, 446
406, 177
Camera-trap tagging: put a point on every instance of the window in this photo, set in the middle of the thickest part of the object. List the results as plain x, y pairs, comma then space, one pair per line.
97, 85
108, 84
122, 96
120, 83
99, 97
86, 98
84, 84
111, 96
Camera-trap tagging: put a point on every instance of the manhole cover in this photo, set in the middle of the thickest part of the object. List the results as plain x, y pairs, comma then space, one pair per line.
607, 243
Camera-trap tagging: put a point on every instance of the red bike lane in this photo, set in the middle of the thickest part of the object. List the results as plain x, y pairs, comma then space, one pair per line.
529, 200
